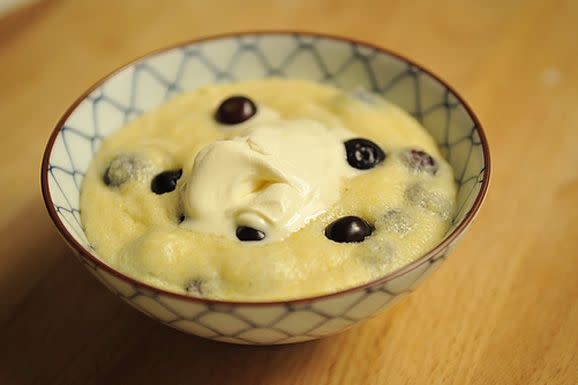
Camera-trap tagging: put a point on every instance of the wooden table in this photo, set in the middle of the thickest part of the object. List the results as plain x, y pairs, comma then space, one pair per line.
502, 310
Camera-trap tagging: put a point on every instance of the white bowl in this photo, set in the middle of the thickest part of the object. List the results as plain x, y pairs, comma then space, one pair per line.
153, 79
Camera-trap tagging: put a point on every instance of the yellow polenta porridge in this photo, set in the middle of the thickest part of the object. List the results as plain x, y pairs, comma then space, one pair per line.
267, 190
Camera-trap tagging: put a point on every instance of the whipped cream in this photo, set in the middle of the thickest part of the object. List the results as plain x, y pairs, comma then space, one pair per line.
274, 176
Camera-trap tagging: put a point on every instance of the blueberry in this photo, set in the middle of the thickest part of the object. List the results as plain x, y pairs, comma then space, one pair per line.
419, 196
166, 181
348, 229
363, 154
397, 221
195, 286
123, 168
419, 161
235, 109
245, 233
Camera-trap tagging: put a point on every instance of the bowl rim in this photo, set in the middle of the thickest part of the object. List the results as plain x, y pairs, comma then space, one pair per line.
426, 258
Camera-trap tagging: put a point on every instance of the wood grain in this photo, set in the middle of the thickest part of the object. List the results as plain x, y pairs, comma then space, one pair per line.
502, 310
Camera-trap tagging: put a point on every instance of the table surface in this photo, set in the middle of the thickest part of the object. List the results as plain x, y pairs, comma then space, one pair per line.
502, 310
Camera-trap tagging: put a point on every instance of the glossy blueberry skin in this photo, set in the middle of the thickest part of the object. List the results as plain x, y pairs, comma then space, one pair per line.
166, 181
348, 229
249, 234
363, 154
235, 109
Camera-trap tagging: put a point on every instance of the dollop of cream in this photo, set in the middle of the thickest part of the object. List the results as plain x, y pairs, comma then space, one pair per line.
274, 176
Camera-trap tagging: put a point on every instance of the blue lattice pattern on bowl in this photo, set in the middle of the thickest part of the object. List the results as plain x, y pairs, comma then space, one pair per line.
154, 79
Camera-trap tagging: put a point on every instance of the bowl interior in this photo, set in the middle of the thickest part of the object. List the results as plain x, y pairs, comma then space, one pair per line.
153, 80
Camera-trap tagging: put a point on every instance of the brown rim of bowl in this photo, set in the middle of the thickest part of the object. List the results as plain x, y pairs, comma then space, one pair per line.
386, 278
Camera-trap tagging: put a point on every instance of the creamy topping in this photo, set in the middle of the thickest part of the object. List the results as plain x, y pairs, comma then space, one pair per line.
273, 177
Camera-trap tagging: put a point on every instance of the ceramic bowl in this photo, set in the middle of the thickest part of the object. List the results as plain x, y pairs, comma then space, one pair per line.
155, 78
